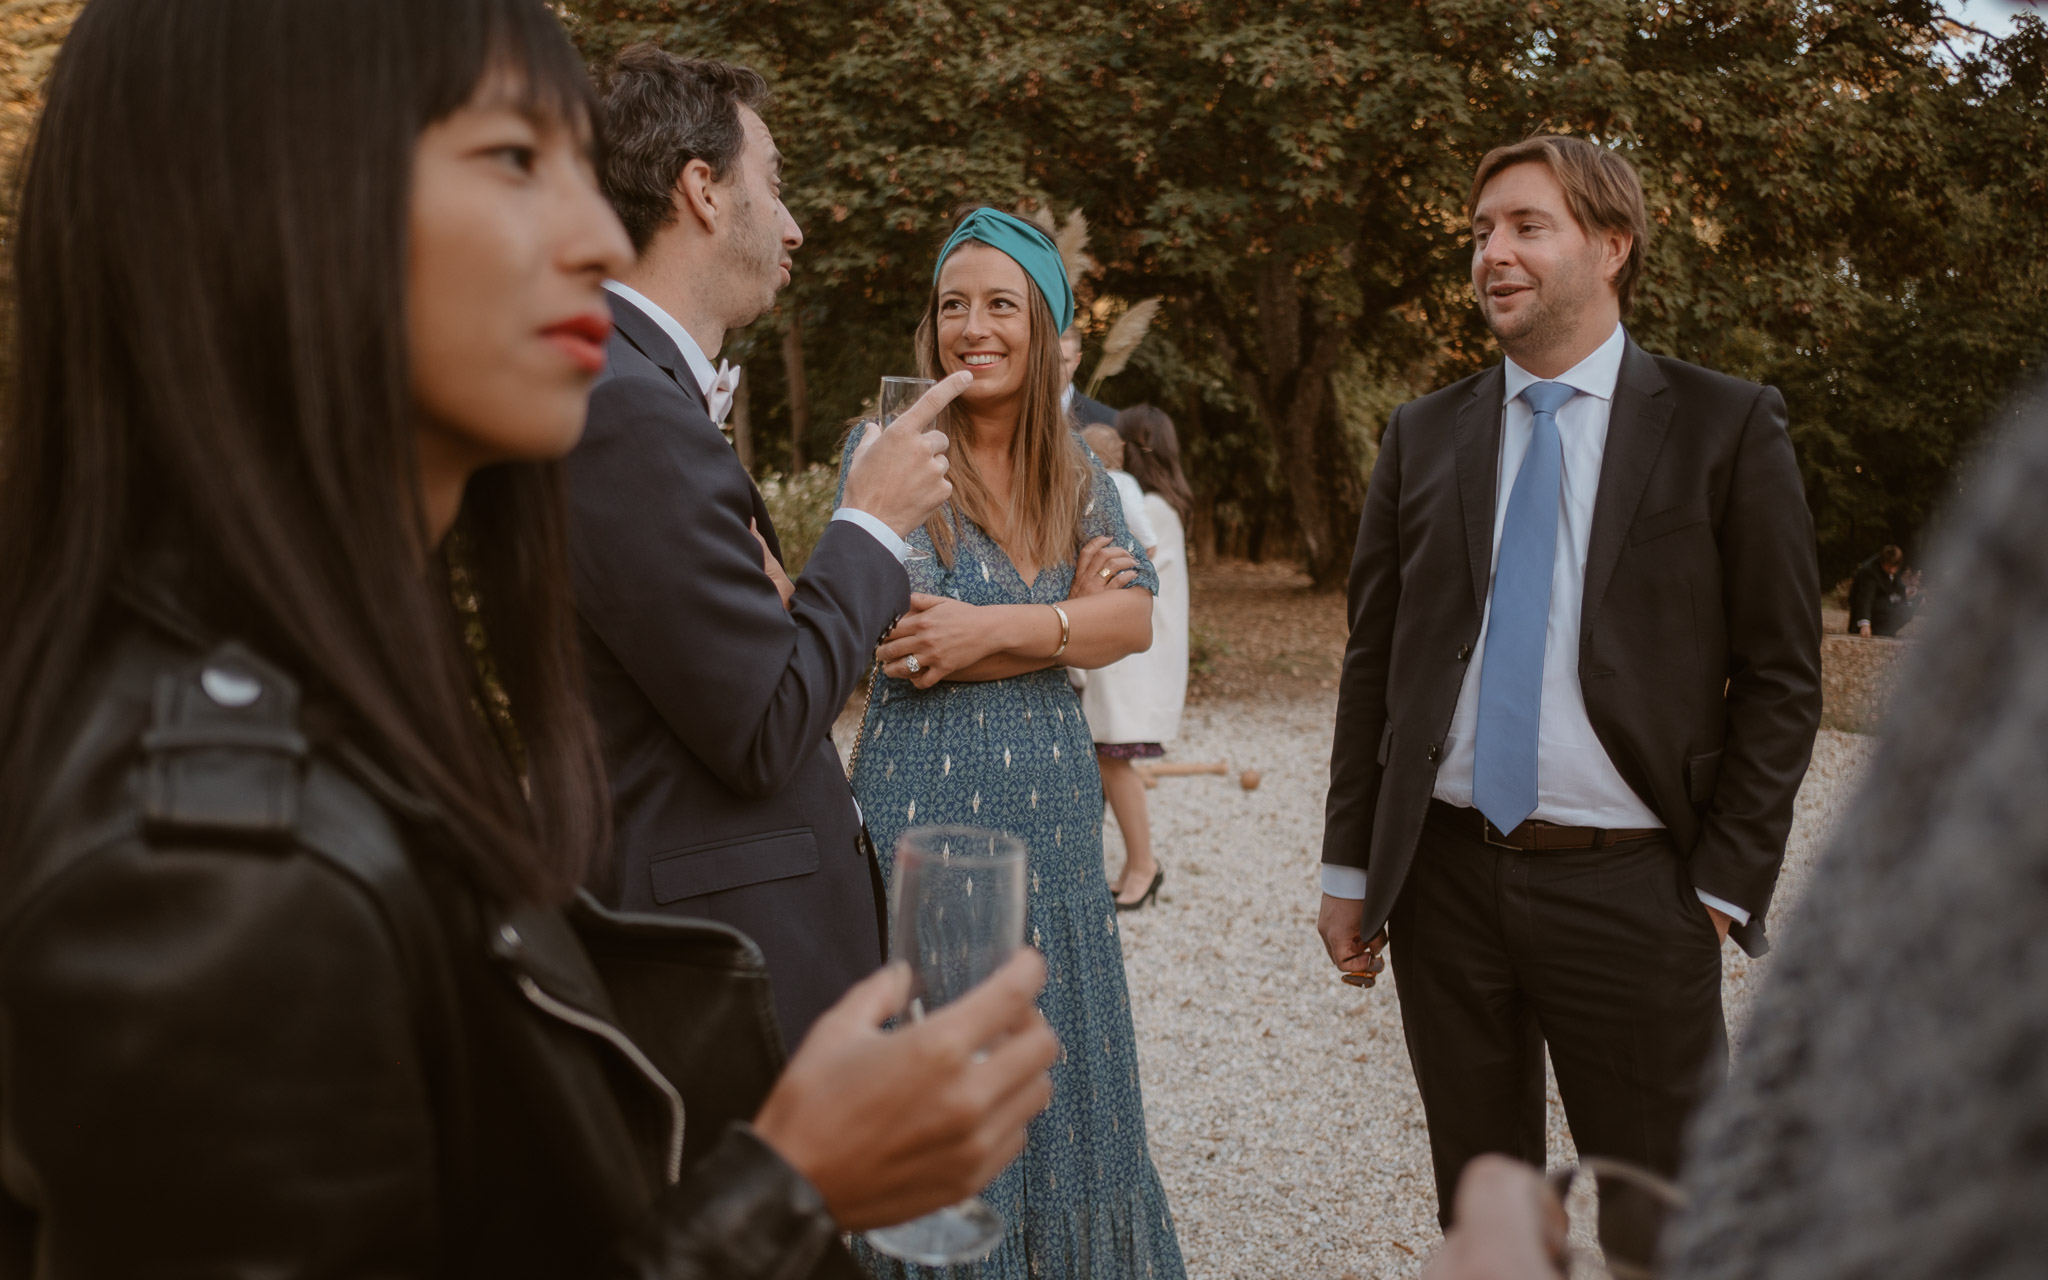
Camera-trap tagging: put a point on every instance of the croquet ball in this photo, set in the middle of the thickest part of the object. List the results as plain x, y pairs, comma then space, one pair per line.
1249, 779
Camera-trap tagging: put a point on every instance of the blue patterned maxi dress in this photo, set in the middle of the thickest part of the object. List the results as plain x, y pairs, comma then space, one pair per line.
1083, 1201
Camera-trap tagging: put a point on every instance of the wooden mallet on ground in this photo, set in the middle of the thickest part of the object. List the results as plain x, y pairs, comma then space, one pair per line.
1150, 774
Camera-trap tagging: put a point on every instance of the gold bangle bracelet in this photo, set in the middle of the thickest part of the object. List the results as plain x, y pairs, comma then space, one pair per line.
1066, 629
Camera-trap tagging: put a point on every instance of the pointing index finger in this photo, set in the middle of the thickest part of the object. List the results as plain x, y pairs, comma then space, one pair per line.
920, 416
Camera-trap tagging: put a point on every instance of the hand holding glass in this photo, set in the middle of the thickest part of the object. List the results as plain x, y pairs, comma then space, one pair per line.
957, 913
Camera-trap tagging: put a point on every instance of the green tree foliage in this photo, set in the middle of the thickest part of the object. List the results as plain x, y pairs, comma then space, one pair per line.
1846, 203
888, 116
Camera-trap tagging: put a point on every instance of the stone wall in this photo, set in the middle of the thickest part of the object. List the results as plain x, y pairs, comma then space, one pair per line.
1856, 675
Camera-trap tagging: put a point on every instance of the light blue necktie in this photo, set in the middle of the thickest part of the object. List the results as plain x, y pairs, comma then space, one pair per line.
1511, 677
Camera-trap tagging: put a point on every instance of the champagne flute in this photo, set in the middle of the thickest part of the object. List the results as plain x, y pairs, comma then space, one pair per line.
1616, 1213
957, 914
899, 394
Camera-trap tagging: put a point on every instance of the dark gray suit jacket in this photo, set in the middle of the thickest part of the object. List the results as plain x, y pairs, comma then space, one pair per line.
714, 703
1699, 641
1088, 411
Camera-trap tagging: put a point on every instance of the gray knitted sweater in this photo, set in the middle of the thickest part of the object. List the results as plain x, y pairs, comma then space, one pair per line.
1889, 1114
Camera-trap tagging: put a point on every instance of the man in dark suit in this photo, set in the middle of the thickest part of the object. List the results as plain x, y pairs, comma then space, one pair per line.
1581, 689
1086, 410
715, 682
1883, 596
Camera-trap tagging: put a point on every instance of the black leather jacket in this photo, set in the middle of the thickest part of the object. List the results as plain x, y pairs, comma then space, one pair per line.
250, 1026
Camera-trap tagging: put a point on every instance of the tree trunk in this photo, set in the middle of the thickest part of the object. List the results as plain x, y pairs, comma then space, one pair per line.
799, 391
743, 422
1289, 382
1201, 532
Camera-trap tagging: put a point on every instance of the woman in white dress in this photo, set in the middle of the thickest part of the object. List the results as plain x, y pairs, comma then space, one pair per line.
1134, 705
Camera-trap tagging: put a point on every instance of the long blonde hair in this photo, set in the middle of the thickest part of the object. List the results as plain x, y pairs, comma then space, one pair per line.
1050, 476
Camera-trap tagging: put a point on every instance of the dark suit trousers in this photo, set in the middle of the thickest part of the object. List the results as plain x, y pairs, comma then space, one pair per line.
1605, 955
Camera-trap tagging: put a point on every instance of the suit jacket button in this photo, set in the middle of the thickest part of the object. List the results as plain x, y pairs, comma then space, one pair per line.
1465, 654
1434, 752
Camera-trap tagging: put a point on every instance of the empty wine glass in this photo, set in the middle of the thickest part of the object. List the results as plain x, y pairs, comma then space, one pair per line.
1616, 1213
899, 394
957, 913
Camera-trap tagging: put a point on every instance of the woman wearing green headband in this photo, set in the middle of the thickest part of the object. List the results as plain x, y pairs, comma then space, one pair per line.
1031, 570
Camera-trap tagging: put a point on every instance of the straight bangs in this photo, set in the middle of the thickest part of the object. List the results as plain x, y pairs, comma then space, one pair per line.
1049, 470
506, 53
213, 398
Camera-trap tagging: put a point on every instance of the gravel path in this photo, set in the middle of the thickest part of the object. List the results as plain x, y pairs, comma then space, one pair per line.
1282, 1111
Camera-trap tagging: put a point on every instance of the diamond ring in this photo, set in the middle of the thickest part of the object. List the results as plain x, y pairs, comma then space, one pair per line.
911, 664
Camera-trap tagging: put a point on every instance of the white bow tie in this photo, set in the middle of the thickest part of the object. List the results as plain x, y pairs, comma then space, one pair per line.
719, 399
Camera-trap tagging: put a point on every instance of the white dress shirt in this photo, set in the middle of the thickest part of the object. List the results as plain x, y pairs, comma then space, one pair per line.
1577, 784
706, 376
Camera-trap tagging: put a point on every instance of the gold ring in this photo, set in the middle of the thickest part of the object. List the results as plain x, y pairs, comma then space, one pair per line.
1105, 574
911, 665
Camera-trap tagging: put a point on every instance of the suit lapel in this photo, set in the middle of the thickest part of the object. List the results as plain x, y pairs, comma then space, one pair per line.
1477, 441
1636, 424
640, 329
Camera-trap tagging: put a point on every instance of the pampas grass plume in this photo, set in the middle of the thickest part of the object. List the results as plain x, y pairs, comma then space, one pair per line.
1124, 337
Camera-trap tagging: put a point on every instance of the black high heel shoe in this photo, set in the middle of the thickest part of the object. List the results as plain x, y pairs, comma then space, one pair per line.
1158, 878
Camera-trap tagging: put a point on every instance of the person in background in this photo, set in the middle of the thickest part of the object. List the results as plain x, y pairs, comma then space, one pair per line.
714, 678
1031, 570
1134, 705
1109, 447
295, 977
1883, 596
1081, 408
1581, 690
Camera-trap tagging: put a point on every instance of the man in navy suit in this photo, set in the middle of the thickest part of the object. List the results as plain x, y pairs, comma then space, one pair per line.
714, 680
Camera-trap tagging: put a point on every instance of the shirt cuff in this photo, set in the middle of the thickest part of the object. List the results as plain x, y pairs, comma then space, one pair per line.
882, 533
1343, 882
1721, 905
1349, 882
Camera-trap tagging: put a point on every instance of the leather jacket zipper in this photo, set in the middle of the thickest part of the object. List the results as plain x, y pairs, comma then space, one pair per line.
617, 1039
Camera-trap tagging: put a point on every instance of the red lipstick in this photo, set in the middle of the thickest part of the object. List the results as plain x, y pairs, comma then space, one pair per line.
582, 338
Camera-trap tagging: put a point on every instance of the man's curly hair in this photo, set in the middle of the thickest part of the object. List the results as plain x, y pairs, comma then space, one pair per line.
661, 112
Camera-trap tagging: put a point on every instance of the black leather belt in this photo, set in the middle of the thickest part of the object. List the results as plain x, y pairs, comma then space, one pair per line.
1533, 836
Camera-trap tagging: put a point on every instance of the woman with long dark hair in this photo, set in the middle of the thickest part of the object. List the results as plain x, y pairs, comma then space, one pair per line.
1029, 570
1133, 705
291, 976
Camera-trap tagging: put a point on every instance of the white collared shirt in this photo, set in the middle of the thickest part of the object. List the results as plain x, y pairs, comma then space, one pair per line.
1577, 784
693, 355
706, 376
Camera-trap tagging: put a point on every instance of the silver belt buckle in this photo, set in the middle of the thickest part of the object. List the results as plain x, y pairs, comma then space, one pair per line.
1486, 830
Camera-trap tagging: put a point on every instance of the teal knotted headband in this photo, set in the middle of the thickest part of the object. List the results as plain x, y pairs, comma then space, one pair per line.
1028, 246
